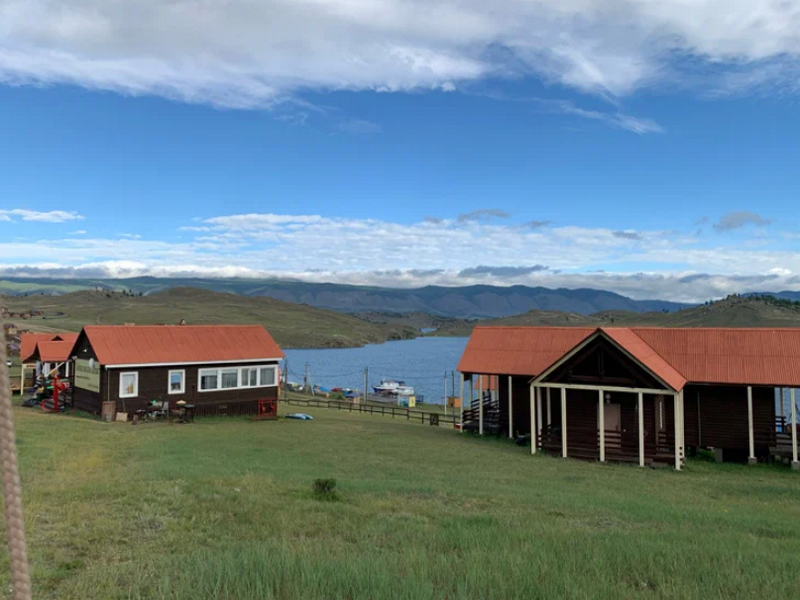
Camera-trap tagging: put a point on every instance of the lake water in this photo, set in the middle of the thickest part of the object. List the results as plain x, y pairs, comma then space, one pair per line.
421, 363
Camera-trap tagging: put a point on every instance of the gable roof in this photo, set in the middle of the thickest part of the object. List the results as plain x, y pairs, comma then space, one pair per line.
129, 345
28, 342
769, 357
56, 352
636, 347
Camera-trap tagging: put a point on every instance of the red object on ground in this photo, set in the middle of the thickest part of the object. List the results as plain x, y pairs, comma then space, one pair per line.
58, 386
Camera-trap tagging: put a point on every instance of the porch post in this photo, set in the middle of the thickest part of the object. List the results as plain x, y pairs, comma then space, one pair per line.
549, 412
683, 427
480, 404
795, 463
641, 429
751, 459
471, 390
780, 395
538, 412
675, 410
564, 422
510, 409
533, 420
461, 401
21, 379
601, 424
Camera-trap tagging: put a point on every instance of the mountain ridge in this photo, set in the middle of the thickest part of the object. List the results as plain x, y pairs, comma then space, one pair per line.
466, 302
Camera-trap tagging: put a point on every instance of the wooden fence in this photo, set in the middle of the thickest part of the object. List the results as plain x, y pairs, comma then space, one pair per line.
410, 414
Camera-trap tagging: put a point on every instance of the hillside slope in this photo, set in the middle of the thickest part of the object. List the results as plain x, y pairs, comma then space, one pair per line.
735, 311
477, 301
292, 325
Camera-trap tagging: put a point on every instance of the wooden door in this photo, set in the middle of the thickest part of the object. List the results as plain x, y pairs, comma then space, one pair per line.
613, 422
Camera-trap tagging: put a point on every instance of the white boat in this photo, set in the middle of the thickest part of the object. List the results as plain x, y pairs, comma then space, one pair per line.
389, 387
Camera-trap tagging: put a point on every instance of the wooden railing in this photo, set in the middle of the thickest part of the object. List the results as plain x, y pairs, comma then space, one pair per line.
410, 414
494, 420
584, 442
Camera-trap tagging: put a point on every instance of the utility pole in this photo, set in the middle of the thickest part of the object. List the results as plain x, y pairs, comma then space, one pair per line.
366, 384
306, 389
445, 393
285, 379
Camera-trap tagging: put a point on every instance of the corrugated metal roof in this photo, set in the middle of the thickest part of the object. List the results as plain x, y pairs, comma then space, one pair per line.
769, 357
167, 344
729, 356
54, 351
641, 351
28, 342
518, 350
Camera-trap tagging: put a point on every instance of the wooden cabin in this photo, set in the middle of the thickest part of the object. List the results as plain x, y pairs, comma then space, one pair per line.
220, 369
643, 395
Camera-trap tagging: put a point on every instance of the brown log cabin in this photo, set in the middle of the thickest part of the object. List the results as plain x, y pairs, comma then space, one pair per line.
220, 369
641, 395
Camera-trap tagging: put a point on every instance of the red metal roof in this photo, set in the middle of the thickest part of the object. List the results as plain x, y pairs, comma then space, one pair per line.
56, 352
518, 350
729, 356
642, 352
769, 357
180, 344
28, 342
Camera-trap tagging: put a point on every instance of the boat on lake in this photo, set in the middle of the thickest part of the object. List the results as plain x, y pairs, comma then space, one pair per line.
390, 387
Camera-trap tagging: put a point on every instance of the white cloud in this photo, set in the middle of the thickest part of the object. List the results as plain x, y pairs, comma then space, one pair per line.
246, 54
444, 251
54, 216
78, 232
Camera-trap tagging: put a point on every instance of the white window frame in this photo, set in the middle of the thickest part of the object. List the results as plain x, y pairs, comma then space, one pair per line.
201, 373
274, 376
135, 393
227, 371
244, 377
183, 382
240, 382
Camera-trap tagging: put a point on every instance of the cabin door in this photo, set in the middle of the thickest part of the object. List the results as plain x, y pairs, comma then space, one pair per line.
613, 422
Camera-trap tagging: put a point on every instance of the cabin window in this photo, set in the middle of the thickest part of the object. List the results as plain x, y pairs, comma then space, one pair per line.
249, 377
267, 375
208, 379
229, 378
233, 378
177, 382
128, 385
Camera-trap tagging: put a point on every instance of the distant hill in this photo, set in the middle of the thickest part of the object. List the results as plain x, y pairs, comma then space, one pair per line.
734, 311
793, 296
292, 325
478, 301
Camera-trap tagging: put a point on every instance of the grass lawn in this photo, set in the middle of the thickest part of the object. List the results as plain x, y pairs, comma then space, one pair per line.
223, 509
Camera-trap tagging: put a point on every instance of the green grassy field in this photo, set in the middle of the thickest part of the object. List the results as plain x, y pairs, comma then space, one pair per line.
223, 509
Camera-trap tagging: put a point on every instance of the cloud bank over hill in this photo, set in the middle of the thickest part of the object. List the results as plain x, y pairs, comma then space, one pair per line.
489, 247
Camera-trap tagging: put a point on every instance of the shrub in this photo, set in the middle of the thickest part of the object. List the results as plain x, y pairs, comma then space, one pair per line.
325, 489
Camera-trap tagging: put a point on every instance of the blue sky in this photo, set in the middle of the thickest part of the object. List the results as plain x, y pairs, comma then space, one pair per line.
648, 148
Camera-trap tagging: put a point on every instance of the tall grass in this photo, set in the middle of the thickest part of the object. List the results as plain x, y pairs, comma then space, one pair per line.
224, 509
